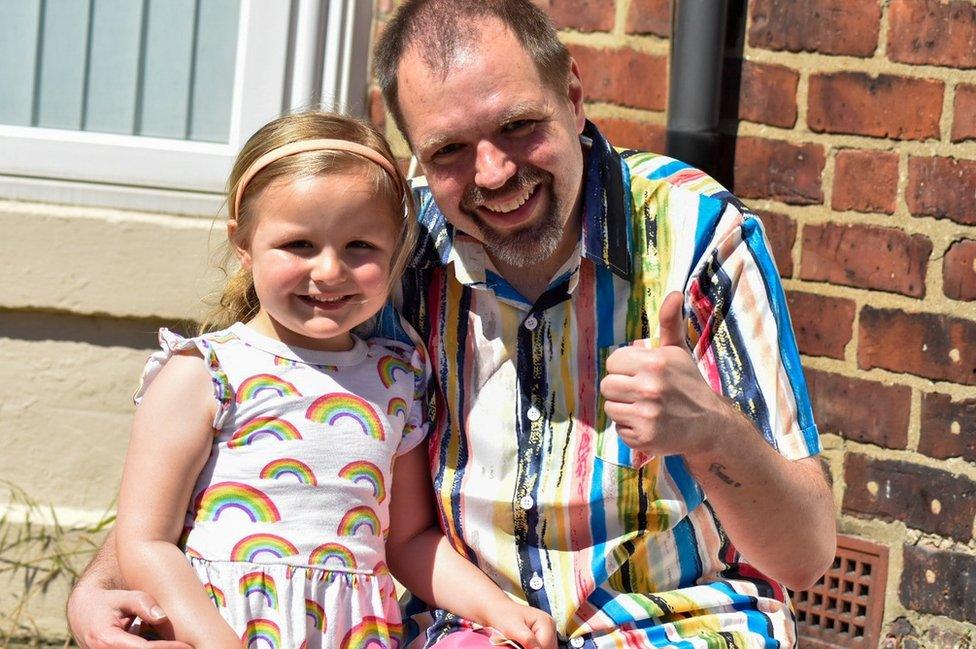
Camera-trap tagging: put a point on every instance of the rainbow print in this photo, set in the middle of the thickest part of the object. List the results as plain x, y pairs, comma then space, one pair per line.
397, 407
334, 406
216, 595
387, 367
190, 552
252, 386
260, 427
262, 630
281, 361
372, 633
361, 471
251, 547
218, 498
356, 519
316, 615
277, 469
381, 568
259, 582
335, 552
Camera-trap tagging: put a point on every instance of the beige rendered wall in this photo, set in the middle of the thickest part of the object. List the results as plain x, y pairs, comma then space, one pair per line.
82, 293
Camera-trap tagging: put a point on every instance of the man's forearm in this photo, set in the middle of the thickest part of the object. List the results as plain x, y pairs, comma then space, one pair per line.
103, 571
778, 513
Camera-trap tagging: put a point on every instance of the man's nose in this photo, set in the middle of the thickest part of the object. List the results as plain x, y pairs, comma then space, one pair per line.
493, 167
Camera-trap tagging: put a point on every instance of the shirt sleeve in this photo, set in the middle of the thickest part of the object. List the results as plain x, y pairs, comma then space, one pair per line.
741, 331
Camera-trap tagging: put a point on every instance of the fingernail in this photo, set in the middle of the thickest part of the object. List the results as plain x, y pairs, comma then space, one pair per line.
157, 613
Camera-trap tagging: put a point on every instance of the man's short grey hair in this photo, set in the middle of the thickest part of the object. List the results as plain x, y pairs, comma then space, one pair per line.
439, 29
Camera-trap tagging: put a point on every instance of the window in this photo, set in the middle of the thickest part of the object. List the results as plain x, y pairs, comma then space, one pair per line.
144, 103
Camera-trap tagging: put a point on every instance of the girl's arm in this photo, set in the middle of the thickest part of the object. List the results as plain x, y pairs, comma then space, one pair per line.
425, 563
171, 441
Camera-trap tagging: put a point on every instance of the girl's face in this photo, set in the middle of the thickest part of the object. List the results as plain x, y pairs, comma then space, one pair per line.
320, 250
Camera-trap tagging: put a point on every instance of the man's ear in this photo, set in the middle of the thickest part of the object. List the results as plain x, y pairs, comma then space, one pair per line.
234, 236
575, 95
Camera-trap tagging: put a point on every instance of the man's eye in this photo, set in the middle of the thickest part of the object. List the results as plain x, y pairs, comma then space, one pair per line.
519, 126
446, 151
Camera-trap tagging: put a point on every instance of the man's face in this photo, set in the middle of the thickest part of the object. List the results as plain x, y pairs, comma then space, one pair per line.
500, 150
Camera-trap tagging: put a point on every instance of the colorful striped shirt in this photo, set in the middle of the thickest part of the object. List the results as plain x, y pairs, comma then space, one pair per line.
532, 482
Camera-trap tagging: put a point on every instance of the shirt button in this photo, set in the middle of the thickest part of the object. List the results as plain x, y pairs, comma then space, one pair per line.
536, 582
526, 502
534, 414
531, 323
577, 642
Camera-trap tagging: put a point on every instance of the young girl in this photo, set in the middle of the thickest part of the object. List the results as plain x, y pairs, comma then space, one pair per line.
272, 460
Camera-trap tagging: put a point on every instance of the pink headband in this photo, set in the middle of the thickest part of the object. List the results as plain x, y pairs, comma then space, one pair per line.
311, 145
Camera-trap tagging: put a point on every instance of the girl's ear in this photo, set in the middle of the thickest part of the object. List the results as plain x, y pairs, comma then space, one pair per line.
234, 236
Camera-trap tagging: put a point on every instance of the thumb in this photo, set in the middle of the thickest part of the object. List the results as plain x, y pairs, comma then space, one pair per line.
672, 322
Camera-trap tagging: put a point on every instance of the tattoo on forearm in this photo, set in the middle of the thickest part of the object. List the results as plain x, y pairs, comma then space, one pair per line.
719, 471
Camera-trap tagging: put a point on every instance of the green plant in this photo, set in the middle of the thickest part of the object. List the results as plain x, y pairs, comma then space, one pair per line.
38, 551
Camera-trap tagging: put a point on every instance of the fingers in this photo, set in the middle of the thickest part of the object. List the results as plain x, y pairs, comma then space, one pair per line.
136, 602
672, 322
116, 638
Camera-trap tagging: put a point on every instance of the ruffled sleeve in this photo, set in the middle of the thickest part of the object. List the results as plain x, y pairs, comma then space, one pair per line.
419, 414
172, 343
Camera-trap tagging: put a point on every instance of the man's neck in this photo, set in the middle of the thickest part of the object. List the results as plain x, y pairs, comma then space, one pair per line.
532, 281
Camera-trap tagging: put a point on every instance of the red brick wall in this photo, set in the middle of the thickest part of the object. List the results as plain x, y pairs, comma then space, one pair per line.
854, 129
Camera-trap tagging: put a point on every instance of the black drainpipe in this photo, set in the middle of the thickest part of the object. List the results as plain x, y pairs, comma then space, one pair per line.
695, 90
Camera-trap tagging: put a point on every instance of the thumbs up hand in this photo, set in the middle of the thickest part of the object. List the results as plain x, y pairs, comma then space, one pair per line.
656, 395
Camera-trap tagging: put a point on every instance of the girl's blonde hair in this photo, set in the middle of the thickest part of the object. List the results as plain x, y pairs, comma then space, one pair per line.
238, 301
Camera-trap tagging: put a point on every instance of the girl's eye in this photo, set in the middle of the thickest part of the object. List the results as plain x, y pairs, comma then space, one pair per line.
363, 245
300, 244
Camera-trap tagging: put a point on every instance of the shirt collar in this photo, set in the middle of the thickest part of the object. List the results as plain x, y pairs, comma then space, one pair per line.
606, 214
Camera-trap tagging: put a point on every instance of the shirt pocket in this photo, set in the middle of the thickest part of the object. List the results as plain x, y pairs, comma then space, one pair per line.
609, 446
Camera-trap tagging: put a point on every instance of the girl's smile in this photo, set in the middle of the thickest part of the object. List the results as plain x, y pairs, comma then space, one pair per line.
319, 249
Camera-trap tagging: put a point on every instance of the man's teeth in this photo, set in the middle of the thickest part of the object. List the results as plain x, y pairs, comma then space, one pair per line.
512, 204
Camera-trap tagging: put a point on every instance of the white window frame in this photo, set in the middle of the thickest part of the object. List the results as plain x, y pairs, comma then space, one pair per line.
289, 55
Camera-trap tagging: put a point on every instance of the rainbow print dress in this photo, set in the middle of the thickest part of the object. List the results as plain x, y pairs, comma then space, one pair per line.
287, 520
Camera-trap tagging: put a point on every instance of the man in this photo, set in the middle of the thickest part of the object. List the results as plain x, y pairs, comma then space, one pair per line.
641, 494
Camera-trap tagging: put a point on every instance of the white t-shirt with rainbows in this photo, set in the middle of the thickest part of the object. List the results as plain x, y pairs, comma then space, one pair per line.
287, 520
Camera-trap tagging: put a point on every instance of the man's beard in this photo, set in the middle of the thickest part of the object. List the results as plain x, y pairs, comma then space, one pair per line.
531, 244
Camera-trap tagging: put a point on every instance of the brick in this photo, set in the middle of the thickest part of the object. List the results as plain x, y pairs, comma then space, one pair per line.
865, 181
377, 110
923, 498
942, 187
823, 325
582, 15
860, 410
959, 271
781, 233
760, 92
779, 170
633, 134
649, 17
865, 256
824, 26
948, 427
933, 32
890, 106
940, 582
964, 113
623, 76
937, 347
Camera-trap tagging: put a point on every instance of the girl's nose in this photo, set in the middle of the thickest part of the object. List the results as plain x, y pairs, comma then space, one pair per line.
493, 167
327, 267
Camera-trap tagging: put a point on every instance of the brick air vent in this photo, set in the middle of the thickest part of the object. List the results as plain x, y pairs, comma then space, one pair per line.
844, 609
